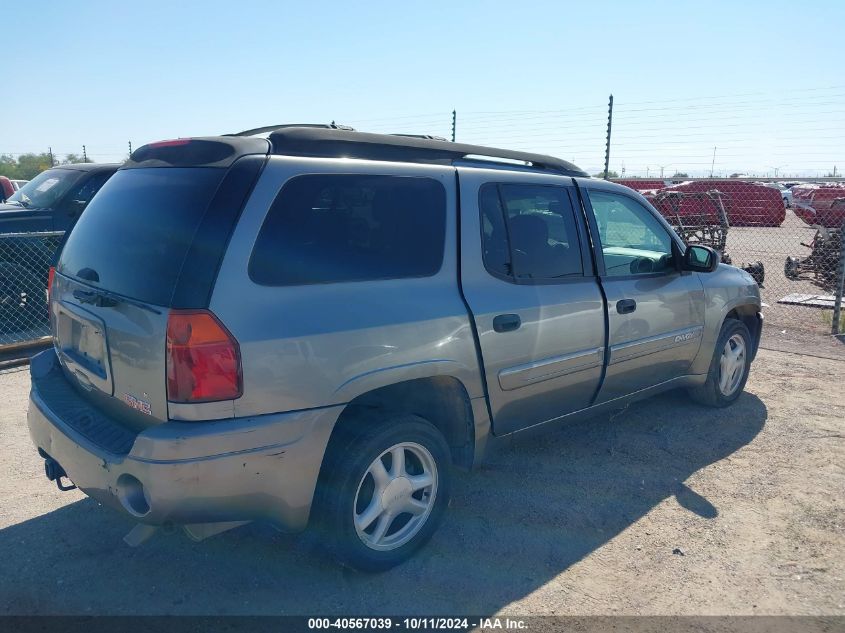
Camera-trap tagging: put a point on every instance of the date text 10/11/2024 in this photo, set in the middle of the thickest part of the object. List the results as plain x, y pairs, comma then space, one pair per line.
418, 623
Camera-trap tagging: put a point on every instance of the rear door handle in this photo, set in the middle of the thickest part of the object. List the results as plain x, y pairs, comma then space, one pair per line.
507, 322
626, 306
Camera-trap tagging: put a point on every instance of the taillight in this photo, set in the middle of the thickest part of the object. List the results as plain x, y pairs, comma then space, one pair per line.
203, 358
50, 275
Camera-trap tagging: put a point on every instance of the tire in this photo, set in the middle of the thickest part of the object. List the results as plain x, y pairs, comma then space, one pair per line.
716, 392
347, 498
791, 268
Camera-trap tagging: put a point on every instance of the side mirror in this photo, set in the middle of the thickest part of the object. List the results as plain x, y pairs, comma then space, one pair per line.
702, 259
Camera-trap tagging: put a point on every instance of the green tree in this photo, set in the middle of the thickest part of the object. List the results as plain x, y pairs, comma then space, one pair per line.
680, 174
25, 166
71, 159
610, 174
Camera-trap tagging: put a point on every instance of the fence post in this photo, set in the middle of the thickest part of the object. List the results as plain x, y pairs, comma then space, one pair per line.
607, 146
454, 122
840, 284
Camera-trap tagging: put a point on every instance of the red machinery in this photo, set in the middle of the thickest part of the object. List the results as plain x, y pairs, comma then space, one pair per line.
822, 205
701, 217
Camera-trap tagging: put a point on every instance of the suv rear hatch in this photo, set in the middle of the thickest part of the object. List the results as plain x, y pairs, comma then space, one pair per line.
149, 243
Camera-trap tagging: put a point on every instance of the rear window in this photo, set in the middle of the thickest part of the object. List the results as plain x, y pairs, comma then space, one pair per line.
338, 228
133, 237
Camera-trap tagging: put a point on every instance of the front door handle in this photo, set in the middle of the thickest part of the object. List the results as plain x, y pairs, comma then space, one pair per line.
507, 322
626, 306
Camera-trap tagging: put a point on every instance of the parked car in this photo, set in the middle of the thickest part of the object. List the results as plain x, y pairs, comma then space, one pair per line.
642, 184
17, 184
6, 188
747, 203
53, 200
317, 326
820, 205
785, 192
50, 202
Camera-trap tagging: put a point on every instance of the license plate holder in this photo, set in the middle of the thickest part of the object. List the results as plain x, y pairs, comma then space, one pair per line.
83, 347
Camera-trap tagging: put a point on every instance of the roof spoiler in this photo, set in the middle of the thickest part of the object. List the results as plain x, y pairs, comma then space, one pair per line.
212, 151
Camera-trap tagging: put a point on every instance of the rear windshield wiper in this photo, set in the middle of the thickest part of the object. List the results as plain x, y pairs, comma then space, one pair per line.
105, 299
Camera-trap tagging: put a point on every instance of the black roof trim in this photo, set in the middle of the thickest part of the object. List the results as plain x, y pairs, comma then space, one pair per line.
320, 142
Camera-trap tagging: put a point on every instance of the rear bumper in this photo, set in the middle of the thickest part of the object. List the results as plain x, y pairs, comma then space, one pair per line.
263, 467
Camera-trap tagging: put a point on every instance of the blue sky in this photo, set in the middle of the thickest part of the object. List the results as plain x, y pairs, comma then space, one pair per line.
763, 82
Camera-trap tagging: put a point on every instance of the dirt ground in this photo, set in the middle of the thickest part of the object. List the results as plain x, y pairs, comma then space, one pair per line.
666, 508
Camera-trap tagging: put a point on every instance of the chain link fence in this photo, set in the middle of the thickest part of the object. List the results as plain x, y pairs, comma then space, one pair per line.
788, 239
25, 260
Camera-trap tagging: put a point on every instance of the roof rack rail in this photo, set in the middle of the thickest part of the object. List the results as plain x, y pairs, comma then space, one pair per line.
332, 142
430, 137
271, 128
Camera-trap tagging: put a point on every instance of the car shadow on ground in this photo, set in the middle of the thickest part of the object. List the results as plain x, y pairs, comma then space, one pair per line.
528, 515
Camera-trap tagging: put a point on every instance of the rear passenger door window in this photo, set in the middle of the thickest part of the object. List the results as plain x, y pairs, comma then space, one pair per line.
330, 228
529, 232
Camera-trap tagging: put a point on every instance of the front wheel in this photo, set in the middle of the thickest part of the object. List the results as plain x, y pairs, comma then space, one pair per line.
729, 367
383, 491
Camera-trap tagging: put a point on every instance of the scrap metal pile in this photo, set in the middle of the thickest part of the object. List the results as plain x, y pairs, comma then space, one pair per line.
701, 217
823, 207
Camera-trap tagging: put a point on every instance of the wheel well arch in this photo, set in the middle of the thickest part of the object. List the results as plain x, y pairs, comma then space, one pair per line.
747, 313
441, 400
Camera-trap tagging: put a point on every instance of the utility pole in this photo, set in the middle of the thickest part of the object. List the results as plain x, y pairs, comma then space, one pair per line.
840, 290
607, 146
454, 123
712, 164
84, 155
52, 162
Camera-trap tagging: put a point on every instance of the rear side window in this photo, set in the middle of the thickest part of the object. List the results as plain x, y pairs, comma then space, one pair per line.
338, 227
529, 232
135, 234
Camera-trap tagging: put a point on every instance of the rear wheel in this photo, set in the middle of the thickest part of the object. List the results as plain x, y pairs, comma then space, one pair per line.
383, 491
729, 367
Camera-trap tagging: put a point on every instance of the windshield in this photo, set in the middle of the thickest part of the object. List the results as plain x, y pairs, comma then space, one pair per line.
46, 188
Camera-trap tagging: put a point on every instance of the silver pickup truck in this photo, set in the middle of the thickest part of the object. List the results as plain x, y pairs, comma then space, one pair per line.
312, 325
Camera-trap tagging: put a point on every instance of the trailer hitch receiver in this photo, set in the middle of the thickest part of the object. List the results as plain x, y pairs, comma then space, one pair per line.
55, 472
